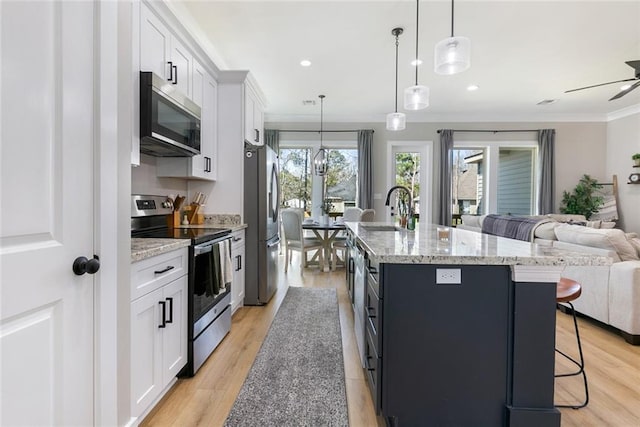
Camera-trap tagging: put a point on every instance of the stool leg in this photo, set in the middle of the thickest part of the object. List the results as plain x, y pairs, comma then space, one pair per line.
580, 365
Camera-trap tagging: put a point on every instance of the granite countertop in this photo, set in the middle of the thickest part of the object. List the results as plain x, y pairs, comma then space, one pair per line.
421, 246
146, 248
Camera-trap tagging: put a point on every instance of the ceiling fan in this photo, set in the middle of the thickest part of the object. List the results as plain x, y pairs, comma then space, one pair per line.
633, 64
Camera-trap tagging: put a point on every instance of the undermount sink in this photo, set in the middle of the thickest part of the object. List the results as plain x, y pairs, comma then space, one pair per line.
380, 227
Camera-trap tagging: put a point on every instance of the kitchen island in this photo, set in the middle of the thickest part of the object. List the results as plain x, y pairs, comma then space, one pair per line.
457, 332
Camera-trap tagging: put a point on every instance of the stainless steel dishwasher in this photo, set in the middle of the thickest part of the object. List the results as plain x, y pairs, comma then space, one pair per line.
358, 301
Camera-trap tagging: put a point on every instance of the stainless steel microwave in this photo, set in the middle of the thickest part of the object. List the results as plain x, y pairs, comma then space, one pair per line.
169, 121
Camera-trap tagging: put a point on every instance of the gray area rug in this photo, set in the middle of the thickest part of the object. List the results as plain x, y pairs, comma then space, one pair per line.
297, 378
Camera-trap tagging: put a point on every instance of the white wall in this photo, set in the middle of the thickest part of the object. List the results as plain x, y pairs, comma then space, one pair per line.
580, 147
623, 140
145, 181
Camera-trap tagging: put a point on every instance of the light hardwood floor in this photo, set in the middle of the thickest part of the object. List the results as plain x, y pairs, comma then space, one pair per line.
613, 368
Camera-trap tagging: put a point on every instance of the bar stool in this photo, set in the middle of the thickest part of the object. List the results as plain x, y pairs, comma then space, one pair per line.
568, 290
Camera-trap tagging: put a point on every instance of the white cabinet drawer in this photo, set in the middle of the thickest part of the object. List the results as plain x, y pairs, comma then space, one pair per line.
152, 273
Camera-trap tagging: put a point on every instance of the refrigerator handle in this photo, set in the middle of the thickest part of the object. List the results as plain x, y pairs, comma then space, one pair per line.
275, 204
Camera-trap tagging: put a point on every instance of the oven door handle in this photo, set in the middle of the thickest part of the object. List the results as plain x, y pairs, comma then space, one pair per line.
203, 249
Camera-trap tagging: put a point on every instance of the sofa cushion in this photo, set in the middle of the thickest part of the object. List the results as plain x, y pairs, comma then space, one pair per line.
635, 242
611, 239
546, 230
472, 220
567, 217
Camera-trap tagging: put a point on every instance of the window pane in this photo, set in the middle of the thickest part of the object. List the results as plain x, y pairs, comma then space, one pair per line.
467, 182
515, 181
295, 177
408, 175
342, 178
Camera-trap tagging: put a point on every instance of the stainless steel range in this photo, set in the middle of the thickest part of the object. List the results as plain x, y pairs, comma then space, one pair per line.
209, 296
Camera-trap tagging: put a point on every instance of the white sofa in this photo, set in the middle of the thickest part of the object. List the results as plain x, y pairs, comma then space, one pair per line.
610, 295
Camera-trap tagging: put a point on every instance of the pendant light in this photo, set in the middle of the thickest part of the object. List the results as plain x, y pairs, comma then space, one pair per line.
416, 97
321, 159
396, 121
453, 54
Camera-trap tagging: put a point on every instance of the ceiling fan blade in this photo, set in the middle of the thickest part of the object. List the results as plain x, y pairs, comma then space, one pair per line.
624, 92
634, 64
601, 84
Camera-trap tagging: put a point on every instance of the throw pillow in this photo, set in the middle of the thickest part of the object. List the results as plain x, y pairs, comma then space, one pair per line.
635, 242
611, 239
546, 230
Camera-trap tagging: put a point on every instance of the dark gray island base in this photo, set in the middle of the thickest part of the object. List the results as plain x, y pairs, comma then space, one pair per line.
458, 332
480, 353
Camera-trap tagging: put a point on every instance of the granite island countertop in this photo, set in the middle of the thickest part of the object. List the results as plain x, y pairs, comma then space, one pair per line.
147, 248
464, 247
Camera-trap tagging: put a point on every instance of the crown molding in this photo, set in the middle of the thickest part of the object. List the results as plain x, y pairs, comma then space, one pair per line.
624, 112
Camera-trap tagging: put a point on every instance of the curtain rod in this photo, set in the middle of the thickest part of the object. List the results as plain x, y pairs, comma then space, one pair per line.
323, 131
491, 131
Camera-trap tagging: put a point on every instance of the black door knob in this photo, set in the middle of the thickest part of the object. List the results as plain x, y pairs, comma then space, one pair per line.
83, 265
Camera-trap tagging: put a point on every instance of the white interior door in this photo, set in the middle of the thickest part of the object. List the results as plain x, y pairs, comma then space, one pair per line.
47, 134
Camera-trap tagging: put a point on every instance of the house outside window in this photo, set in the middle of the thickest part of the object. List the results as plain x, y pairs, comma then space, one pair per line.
494, 178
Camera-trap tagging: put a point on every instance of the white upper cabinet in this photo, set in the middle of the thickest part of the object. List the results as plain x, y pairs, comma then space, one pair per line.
181, 67
163, 53
253, 119
155, 44
204, 165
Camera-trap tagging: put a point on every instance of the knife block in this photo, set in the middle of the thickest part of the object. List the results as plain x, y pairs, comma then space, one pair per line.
174, 220
193, 216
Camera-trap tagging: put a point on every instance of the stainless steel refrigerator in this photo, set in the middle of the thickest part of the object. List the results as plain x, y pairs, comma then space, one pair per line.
261, 205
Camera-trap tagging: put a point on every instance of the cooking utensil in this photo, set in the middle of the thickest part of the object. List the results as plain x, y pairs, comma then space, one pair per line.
178, 203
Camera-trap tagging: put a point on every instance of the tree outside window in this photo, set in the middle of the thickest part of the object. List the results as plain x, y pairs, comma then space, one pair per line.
295, 177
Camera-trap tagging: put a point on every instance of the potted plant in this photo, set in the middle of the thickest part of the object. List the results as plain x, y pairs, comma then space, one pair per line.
326, 207
636, 159
582, 201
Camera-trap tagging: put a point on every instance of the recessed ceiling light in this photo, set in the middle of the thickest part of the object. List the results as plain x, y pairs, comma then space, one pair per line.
305, 63
547, 101
308, 102
416, 62
473, 87
625, 87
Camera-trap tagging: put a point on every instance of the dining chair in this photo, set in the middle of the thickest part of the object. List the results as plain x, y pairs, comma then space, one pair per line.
352, 214
367, 215
294, 239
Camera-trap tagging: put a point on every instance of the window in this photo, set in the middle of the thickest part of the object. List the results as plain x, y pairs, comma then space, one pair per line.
494, 178
295, 177
300, 188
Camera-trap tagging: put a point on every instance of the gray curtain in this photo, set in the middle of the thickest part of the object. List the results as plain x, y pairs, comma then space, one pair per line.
546, 171
365, 177
272, 139
446, 157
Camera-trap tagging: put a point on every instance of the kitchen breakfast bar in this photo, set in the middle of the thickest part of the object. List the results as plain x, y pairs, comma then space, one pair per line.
459, 331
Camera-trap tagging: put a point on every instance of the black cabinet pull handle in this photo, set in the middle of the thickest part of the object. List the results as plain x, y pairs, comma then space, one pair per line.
164, 314
372, 270
170, 299
257, 135
207, 164
369, 315
169, 267
175, 74
238, 262
350, 268
170, 70
366, 363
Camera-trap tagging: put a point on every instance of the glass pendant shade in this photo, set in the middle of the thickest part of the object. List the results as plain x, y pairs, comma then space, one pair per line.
416, 97
396, 121
320, 162
452, 55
